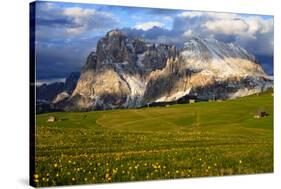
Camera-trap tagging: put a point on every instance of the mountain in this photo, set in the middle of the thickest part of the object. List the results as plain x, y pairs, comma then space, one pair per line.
71, 82
50, 92
208, 69
127, 72
47, 92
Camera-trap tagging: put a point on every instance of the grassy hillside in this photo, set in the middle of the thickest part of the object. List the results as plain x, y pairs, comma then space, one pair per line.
187, 140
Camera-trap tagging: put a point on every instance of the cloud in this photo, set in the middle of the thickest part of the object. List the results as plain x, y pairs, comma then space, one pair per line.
255, 33
161, 12
56, 21
252, 32
58, 58
228, 27
148, 25
88, 19
65, 35
190, 14
188, 33
167, 18
258, 25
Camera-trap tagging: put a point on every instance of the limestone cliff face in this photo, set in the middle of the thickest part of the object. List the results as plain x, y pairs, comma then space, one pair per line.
115, 76
207, 69
103, 89
129, 72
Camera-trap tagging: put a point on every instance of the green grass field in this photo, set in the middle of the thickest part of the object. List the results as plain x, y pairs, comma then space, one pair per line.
179, 141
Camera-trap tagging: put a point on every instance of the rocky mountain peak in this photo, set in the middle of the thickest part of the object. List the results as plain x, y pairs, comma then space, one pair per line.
71, 81
115, 33
91, 62
115, 47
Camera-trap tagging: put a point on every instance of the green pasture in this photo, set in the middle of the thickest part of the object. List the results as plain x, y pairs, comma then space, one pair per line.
179, 141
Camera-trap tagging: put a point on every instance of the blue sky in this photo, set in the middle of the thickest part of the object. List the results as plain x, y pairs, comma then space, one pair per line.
67, 32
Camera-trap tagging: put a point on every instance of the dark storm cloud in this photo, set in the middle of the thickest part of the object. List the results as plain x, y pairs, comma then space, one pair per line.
66, 22
62, 22
58, 59
163, 12
65, 36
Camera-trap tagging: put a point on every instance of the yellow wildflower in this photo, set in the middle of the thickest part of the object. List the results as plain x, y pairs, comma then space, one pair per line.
114, 171
106, 175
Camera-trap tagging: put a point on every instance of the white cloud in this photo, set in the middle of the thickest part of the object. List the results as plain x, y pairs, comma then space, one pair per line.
256, 24
228, 27
75, 31
78, 12
87, 19
136, 17
222, 15
255, 33
225, 23
188, 33
218, 15
168, 18
190, 14
234, 24
66, 22
148, 25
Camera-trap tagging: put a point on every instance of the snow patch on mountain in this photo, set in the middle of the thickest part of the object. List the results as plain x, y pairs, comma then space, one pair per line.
222, 59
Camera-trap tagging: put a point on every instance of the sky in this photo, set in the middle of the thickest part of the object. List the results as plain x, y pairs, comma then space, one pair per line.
65, 33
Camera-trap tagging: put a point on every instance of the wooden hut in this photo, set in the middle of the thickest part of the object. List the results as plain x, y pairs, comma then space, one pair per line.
52, 119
